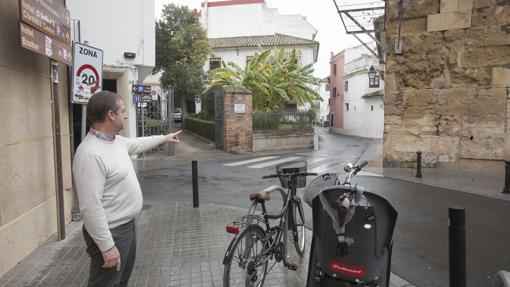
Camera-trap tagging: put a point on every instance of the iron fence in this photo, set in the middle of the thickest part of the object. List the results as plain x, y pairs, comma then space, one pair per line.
282, 122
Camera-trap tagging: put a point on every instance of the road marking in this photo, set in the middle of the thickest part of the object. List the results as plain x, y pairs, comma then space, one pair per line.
317, 159
274, 162
321, 168
335, 166
365, 173
250, 161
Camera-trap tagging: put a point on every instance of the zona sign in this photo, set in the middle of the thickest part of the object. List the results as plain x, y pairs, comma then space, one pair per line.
87, 72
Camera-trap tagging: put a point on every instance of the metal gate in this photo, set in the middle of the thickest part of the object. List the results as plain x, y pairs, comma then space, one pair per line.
219, 133
153, 118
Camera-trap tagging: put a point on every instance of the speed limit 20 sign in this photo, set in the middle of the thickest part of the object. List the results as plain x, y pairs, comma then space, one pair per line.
87, 72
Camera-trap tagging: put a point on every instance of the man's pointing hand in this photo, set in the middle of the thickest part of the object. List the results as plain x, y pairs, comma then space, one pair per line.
172, 137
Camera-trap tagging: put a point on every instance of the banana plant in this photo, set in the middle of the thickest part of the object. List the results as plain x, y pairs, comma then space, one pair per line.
272, 78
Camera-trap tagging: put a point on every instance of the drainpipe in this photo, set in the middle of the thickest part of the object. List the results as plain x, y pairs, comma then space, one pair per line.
57, 145
206, 15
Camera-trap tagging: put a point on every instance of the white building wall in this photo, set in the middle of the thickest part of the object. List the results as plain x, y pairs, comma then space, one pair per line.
118, 26
355, 53
324, 104
253, 20
360, 119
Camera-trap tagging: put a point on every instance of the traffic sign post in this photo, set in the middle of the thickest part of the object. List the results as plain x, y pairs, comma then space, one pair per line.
87, 72
142, 95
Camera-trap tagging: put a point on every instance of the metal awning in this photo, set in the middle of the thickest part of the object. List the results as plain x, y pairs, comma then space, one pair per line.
364, 17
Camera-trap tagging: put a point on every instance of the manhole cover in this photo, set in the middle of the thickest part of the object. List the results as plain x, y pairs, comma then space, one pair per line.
155, 176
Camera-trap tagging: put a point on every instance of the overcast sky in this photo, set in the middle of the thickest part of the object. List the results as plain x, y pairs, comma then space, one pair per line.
320, 13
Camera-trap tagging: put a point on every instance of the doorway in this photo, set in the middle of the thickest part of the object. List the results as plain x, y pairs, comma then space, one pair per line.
108, 85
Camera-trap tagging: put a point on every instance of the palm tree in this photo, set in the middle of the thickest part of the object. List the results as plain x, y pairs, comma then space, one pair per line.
272, 79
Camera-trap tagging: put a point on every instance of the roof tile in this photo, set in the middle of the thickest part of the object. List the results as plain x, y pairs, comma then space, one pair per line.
255, 41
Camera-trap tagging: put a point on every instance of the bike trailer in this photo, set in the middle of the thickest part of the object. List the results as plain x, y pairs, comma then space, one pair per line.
351, 244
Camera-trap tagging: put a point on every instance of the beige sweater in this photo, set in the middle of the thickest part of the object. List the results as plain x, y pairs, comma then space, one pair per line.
108, 190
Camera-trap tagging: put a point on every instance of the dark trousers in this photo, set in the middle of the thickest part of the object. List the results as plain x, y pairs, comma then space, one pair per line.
125, 241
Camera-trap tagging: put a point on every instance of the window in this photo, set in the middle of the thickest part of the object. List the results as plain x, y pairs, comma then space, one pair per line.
374, 82
334, 69
214, 63
334, 92
346, 86
287, 54
347, 106
249, 59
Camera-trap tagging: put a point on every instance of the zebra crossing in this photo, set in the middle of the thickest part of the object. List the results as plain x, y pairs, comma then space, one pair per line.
315, 163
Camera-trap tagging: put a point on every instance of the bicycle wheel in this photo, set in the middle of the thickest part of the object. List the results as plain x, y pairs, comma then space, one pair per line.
243, 266
298, 226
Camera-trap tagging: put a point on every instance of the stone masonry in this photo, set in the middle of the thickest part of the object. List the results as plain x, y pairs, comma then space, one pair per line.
238, 119
447, 93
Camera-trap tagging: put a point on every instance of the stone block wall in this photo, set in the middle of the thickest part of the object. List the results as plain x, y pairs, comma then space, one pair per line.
264, 142
447, 93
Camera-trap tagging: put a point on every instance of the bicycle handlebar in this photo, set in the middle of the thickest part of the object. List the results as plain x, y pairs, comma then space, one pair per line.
301, 173
270, 176
362, 165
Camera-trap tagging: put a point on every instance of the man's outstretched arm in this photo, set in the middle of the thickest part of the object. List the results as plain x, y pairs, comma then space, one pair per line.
143, 144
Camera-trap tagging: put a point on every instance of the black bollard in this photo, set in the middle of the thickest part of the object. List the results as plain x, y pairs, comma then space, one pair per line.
418, 165
457, 246
507, 177
194, 175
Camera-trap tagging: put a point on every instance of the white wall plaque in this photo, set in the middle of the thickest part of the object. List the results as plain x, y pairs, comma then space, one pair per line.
239, 108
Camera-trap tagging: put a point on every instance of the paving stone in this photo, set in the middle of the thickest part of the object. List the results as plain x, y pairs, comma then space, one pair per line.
177, 246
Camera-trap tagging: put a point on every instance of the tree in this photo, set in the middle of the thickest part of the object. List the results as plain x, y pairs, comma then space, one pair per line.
272, 79
181, 51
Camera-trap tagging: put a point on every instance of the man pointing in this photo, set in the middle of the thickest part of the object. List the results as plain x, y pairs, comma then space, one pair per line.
108, 191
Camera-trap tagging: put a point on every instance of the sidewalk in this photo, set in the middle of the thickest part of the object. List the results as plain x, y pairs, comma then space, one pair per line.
177, 246
481, 177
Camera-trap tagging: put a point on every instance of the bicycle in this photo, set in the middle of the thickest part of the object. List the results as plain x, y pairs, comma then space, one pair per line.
257, 242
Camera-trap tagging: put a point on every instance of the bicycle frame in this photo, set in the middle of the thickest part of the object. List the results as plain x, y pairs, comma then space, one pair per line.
289, 198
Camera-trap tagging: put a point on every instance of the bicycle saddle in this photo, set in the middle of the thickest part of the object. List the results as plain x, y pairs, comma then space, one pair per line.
260, 196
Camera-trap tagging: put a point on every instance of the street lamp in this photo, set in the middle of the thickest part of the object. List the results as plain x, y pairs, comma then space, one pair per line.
373, 78
371, 74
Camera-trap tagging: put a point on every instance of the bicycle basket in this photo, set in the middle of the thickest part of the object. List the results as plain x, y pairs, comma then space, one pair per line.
289, 167
237, 225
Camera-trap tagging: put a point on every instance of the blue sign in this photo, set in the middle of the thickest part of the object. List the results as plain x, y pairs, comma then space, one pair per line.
137, 98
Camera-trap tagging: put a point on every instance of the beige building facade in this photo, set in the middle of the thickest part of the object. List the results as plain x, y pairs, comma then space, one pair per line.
447, 91
28, 209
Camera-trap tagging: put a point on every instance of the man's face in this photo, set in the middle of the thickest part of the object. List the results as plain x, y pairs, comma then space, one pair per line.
119, 117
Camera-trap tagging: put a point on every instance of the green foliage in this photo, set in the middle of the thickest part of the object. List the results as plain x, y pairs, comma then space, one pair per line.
272, 79
281, 122
181, 50
200, 127
207, 99
312, 114
265, 123
202, 116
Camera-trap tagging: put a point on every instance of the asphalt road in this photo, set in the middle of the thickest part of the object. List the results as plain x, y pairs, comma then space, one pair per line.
420, 252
